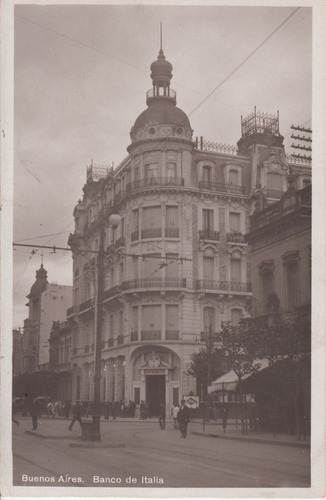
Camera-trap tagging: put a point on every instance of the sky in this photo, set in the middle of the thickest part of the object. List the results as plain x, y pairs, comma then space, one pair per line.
81, 76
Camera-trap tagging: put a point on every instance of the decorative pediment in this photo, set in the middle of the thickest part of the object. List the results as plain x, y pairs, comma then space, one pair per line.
274, 166
290, 257
153, 360
266, 266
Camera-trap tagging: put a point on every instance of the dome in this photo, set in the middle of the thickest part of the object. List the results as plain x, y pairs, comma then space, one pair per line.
40, 284
161, 69
163, 112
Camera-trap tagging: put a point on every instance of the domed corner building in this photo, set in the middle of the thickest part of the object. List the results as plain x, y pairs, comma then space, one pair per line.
177, 265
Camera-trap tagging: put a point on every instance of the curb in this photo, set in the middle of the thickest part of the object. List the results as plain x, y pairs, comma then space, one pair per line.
254, 440
96, 445
45, 436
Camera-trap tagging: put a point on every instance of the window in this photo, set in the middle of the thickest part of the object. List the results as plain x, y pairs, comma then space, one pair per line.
111, 332
235, 270
207, 174
151, 322
208, 220
234, 222
134, 264
136, 174
234, 177
292, 284
135, 225
274, 185
171, 170
209, 319
208, 268
171, 216
306, 183
151, 217
150, 267
134, 319
235, 316
120, 322
267, 287
173, 267
151, 172
172, 322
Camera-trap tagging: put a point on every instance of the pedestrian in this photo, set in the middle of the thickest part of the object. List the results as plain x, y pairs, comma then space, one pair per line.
174, 414
67, 409
183, 418
162, 416
142, 410
77, 409
35, 410
225, 415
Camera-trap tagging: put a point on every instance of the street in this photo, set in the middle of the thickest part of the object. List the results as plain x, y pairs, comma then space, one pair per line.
151, 457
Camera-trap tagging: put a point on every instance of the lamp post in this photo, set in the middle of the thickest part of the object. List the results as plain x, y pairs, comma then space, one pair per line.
114, 222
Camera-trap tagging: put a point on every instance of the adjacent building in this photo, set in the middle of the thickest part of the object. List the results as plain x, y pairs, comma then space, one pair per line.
178, 264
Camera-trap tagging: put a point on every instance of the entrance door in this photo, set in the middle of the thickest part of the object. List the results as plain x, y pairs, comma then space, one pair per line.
155, 392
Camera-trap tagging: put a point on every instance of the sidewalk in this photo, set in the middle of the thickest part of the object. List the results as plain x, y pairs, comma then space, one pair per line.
58, 428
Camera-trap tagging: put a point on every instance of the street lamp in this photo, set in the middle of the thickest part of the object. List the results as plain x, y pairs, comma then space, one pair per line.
114, 222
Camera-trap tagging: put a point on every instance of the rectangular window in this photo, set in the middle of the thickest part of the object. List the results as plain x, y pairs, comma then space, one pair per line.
292, 279
151, 266
134, 319
135, 220
208, 268
234, 177
120, 322
151, 217
172, 322
171, 216
235, 316
111, 327
266, 288
234, 219
209, 319
171, 170
175, 396
134, 265
151, 322
136, 174
208, 220
207, 174
151, 171
236, 270
173, 267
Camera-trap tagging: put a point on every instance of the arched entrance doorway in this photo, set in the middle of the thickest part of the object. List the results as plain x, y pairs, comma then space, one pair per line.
155, 377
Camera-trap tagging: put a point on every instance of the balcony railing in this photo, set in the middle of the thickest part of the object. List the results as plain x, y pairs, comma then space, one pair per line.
86, 305
172, 232
155, 182
235, 237
155, 232
172, 334
111, 292
151, 335
221, 188
230, 286
208, 234
133, 336
154, 283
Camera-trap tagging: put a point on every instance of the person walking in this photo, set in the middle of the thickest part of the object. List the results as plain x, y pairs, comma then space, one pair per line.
162, 416
225, 415
174, 414
183, 418
77, 409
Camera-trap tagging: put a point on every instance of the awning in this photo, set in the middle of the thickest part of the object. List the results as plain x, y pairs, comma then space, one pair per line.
229, 381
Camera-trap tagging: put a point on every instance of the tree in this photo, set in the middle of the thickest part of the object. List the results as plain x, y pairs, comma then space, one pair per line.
198, 367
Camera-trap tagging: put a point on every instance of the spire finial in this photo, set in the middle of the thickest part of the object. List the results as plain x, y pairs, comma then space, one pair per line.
161, 36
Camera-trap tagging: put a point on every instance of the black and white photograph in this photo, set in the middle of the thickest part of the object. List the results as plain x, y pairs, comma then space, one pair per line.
160, 281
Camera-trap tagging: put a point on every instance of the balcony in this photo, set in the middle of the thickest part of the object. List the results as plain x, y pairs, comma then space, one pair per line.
111, 292
110, 342
146, 283
63, 367
151, 335
167, 93
221, 188
86, 305
172, 334
135, 235
155, 232
133, 336
172, 232
155, 182
208, 234
227, 286
235, 237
